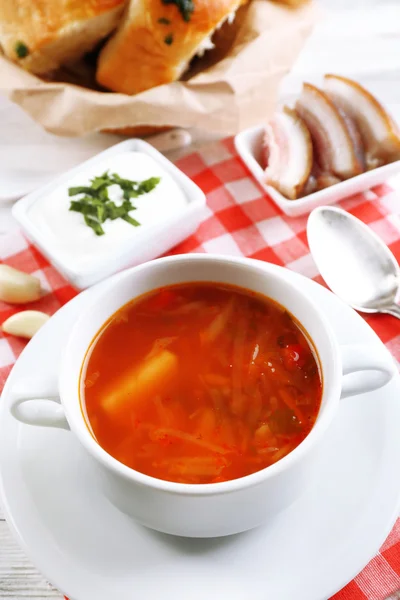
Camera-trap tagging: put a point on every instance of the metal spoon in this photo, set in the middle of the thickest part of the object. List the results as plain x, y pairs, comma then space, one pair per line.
354, 261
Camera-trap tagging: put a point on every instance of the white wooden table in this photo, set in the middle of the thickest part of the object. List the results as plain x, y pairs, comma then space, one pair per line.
360, 38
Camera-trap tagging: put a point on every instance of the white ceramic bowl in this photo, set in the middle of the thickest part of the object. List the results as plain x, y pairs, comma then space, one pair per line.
222, 508
248, 144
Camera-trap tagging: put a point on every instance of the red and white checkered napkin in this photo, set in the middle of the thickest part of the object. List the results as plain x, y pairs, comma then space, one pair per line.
241, 220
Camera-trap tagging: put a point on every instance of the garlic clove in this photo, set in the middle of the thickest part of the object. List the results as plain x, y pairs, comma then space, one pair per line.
25, 324
17, 287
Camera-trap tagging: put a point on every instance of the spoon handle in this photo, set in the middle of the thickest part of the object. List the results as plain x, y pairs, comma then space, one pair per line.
393, 310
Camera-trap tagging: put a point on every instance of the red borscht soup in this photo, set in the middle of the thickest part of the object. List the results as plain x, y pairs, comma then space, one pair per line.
201, 383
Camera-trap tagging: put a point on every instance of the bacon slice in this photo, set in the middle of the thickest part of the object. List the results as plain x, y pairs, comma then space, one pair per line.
325, 180
334, 141
380, 134
319, 180
288, 153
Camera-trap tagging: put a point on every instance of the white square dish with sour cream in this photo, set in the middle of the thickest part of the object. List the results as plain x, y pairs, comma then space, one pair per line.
164, 216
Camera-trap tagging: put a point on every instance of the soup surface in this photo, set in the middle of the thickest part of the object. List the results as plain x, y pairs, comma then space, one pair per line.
201, 383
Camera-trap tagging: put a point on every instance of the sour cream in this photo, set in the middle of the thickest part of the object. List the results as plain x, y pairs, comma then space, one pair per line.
73, 241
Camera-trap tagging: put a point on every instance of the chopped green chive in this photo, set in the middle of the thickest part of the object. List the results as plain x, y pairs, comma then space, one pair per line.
95, 225
169, 39
164, 21
21, 49
95, 205
185, 7
129, 219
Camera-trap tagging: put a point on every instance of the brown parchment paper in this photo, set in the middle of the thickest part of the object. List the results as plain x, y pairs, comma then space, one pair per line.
232, 87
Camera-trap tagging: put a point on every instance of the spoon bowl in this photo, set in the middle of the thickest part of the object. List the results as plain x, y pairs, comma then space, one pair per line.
353, 260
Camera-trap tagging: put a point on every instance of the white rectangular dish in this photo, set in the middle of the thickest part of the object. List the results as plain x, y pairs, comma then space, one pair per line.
248, 144
168, 215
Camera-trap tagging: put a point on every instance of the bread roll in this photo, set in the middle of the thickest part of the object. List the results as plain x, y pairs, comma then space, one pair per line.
293, 3
157, 39
41, 35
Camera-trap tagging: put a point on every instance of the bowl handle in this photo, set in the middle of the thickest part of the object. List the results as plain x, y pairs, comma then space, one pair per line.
48, 412
357, 358
44, 412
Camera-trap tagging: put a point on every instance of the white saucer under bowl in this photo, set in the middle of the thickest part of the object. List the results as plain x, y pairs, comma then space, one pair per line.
90, 551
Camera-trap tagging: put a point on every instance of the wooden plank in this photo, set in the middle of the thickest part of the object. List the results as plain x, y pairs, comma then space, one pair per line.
19, 579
